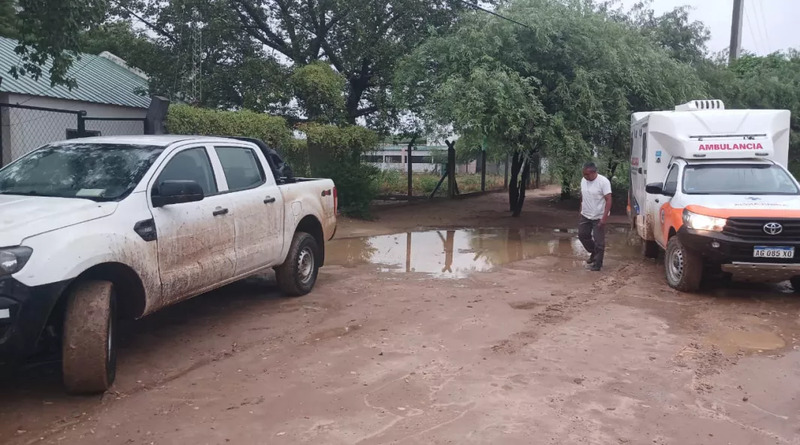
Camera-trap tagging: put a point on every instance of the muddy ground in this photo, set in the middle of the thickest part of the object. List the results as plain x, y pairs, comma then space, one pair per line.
455, 324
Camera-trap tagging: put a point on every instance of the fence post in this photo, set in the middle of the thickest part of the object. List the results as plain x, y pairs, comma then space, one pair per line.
410, 167
156, 114
81, 123
451, 169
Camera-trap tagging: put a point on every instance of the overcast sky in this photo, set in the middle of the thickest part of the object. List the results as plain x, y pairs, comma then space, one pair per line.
767, 26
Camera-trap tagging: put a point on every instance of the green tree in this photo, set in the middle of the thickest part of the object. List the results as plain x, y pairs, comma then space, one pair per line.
563, 84
49, 33
684, 39
8, 19
318, 88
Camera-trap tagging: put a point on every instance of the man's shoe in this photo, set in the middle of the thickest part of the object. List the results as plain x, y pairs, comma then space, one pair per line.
590, 260
596, 268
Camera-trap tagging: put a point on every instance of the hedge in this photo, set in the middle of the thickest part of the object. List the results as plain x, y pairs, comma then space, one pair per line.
183, 119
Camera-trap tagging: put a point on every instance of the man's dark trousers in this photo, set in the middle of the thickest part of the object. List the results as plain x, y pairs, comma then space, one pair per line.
593, 237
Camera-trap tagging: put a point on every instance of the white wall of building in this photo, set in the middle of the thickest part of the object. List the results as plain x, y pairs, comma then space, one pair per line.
25, 130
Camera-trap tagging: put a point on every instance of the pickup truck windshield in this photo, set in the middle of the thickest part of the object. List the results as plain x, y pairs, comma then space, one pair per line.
737, 179
100, 172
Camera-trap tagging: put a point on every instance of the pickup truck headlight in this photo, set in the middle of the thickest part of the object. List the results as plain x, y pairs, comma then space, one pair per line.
703, 222
13, 259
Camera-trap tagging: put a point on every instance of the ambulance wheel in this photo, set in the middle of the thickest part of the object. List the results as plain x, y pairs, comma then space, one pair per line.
795, 284
683, 268
649, 249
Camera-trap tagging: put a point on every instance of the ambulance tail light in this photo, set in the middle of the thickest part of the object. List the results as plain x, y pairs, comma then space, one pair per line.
335, 201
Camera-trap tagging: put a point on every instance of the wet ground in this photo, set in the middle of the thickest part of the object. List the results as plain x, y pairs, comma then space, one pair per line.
460, 335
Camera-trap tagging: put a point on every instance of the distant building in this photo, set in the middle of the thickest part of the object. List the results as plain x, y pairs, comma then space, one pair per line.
392, 155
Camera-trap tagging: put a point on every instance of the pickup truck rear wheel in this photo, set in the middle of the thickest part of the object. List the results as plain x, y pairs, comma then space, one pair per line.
683, 268
89, 345
297, 275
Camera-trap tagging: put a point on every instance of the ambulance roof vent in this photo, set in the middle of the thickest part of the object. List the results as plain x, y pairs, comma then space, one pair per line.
696, 105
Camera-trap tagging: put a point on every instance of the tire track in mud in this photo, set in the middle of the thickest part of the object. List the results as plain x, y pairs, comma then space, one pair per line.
567, 306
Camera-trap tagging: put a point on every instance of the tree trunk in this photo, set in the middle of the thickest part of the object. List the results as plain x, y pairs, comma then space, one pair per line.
523, 184
513, 191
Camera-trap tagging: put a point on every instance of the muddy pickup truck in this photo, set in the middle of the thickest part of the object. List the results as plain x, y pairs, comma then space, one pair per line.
101, 229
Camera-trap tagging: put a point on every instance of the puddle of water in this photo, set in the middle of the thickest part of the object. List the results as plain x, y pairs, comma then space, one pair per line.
458, 253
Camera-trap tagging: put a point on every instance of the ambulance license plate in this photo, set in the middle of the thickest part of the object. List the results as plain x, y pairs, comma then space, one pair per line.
773, 252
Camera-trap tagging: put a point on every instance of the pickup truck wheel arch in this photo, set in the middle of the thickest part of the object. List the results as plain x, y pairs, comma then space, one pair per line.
129, 291
128, 286
312, 226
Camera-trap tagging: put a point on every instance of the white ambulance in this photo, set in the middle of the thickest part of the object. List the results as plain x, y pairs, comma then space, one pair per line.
710, 187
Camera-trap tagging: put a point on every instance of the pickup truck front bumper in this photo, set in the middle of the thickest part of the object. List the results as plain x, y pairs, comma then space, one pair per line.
24, 312
736, 255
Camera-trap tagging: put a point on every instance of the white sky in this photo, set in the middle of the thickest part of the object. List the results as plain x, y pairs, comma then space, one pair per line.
767, 26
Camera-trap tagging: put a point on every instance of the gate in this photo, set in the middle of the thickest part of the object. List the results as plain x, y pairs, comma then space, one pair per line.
25, 128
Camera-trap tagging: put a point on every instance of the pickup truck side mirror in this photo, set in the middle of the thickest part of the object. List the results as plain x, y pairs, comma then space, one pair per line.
177, 192
655, 188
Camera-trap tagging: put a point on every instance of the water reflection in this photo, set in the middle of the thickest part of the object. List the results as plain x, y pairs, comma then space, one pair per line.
457, 253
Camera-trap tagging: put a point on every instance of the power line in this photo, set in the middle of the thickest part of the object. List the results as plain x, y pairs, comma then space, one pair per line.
762, 22
488, 11
756, 44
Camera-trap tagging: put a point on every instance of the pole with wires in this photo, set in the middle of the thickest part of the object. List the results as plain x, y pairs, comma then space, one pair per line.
736, 31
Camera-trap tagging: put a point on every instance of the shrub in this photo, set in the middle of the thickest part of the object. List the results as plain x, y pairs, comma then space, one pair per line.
335, 152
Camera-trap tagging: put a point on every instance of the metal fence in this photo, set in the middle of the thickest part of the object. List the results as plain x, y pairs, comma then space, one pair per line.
25, 128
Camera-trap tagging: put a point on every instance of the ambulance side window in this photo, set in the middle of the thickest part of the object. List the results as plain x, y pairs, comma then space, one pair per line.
671, 184
644, 147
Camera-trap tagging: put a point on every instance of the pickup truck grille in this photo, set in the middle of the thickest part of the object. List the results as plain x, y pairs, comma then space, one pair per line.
753, 229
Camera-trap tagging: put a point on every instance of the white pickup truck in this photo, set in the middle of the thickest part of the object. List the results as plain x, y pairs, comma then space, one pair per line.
98, 229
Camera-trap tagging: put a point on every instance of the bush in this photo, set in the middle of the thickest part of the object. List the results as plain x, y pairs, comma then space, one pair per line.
335, 152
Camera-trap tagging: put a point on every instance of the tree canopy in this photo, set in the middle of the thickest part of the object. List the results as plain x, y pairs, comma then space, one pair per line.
564, 84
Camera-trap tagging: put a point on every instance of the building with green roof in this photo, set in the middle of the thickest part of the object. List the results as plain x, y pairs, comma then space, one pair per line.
106, 88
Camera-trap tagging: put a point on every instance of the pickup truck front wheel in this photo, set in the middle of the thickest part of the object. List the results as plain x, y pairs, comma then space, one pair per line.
89, 357
297, 275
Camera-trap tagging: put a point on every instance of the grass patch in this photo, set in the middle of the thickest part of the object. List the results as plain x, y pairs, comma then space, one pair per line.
393, 182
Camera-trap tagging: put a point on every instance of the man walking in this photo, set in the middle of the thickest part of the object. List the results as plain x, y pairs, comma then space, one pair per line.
595, 208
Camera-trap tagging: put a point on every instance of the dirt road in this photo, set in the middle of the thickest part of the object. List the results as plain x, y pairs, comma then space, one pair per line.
489, 330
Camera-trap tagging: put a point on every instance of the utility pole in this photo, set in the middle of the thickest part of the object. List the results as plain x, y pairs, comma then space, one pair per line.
736, 30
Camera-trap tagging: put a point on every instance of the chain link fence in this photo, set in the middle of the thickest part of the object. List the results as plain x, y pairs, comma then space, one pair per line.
114, 126
25, 128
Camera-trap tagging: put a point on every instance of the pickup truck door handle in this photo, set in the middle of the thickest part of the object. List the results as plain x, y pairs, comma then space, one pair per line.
220, 211
269, 200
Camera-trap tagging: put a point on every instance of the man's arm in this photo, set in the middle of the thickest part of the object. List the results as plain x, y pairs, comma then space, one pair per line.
607, 212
